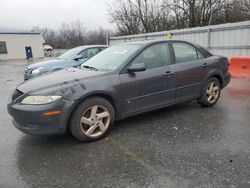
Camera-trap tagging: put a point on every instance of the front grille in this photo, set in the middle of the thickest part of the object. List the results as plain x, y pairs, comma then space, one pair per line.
16, 95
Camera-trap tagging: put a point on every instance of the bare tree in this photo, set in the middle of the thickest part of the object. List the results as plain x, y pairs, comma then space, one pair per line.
152, 14
192, 13
73, 34
125, 16
99, 36
140, 16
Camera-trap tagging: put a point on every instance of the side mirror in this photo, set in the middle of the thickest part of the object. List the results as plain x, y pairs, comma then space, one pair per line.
136, 67
76, 58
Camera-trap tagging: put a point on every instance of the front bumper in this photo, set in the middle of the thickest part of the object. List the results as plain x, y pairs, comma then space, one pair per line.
30, 119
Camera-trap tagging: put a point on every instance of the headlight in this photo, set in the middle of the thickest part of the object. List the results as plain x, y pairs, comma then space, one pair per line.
40, 99
37, 70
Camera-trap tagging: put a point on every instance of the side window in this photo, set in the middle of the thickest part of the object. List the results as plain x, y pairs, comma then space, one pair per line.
154, 56
86, 54
103, 49
200, 55
185, 52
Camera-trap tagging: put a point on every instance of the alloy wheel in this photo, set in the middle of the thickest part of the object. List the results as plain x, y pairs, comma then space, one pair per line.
95, 121
212, 92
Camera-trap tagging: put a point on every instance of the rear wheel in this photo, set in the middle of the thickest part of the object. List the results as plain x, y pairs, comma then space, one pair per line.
92, 119
210, 93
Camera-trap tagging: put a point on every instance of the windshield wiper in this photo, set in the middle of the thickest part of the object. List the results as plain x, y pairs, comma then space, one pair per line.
89, 67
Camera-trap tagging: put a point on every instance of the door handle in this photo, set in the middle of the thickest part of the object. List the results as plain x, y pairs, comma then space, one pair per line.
168, 74
205, 64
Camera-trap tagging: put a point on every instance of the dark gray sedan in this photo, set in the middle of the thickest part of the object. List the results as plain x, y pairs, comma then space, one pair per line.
71, 58
121, 81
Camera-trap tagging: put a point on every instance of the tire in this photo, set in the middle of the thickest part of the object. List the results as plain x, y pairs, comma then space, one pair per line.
210, 94
92, 119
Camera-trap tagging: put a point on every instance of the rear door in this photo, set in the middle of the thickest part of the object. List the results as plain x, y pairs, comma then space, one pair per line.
190, 71
153, 87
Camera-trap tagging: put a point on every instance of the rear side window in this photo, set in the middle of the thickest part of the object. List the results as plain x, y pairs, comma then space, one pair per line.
86, 54
185, 52
154, 56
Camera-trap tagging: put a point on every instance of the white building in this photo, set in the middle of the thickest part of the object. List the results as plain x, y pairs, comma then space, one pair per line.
21, 45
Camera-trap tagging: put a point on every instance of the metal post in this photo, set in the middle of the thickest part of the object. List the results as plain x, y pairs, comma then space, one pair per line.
107, 40
208, 38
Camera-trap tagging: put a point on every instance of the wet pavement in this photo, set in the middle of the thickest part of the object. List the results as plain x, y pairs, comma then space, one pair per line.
181, 146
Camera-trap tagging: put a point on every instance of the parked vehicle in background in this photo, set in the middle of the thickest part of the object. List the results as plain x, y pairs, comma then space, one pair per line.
122, 81
73, 57
47, 48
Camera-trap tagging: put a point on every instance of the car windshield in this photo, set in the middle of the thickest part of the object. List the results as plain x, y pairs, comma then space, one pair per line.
112, 57
70, 54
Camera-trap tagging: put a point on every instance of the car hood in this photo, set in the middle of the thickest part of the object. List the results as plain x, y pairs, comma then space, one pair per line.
46, 63
65, 78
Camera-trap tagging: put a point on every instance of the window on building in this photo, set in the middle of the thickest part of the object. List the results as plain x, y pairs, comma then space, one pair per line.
3, 47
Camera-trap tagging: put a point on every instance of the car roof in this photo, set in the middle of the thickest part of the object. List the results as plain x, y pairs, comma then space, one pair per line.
91, 46
152, 41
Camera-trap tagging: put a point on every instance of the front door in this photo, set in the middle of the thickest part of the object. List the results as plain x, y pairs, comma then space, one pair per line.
152, 88
28, 51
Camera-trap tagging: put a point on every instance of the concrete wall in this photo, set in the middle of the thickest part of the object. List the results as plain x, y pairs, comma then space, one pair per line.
16, 45
225, 39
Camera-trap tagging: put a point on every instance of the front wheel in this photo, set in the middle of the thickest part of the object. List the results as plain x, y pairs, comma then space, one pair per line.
92, 119
210, 93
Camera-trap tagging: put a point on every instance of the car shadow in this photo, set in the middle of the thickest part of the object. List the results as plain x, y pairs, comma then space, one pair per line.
159, 115
68, 139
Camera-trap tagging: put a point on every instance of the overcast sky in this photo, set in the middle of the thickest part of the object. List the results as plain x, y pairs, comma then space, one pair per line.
24, 14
